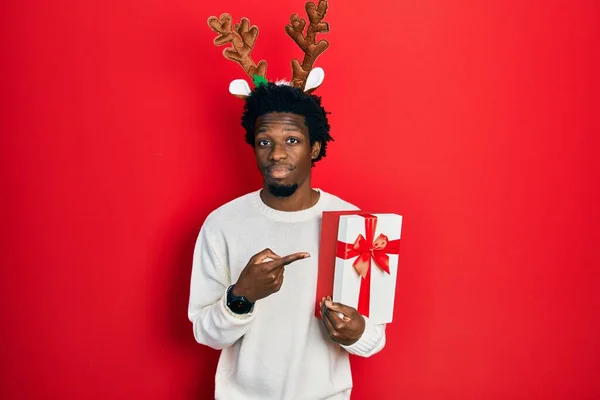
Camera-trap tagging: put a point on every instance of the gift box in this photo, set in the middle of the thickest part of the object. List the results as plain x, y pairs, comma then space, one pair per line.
358, 262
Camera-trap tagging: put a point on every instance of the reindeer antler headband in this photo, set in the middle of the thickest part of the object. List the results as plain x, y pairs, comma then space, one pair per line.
243, 36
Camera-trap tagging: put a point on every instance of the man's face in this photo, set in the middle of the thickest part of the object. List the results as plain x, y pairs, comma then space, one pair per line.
283, 151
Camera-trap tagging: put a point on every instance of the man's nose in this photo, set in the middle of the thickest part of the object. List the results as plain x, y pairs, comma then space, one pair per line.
278, 152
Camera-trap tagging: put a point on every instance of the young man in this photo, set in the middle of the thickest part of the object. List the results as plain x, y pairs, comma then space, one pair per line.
255, 267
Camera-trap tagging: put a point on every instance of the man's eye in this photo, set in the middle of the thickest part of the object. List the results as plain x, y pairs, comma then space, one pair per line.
263, 143
292, 140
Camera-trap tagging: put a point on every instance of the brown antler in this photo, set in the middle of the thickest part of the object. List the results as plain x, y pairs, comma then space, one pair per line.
242, 39
311, 49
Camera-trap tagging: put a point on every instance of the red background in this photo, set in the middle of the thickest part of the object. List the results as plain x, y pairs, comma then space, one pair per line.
478, 121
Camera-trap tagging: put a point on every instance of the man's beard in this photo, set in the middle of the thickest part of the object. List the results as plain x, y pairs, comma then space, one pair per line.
283, 190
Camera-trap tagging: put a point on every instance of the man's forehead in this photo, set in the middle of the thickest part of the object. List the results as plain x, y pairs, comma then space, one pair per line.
286, 118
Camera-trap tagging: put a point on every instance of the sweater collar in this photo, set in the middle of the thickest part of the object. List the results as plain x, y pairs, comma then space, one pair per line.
291, 216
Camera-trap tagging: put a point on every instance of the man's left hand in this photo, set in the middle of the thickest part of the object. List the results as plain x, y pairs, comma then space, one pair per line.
344, 329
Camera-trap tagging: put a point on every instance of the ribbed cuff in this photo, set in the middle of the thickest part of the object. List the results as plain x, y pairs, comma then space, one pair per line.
371, 341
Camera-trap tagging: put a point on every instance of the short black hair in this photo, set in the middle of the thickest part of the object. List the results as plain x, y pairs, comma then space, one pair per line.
271, 97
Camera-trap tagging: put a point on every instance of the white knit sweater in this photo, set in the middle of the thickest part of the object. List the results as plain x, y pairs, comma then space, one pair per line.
280, 350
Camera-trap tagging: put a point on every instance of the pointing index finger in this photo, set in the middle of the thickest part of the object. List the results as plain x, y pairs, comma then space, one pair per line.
283, 261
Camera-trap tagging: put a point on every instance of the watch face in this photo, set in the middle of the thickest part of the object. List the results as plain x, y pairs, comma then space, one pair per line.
239, 306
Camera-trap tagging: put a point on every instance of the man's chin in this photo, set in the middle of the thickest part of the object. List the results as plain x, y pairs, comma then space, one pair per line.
279, 190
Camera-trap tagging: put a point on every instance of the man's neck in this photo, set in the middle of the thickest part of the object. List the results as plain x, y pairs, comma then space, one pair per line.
304, 197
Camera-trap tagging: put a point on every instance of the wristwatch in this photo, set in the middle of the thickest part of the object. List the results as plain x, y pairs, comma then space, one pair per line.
238, 304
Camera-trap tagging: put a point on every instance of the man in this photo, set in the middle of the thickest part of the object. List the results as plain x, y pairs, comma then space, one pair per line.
255, 267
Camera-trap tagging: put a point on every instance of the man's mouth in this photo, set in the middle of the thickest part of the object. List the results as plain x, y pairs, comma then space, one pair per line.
279, 171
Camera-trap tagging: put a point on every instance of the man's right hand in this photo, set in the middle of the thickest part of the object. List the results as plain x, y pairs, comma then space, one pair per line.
261, 278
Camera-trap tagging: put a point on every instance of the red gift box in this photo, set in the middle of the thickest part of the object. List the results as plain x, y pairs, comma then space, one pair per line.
358, 261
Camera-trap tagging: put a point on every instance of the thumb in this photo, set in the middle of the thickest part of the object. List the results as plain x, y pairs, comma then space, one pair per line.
264, 256
341, 310
339, 307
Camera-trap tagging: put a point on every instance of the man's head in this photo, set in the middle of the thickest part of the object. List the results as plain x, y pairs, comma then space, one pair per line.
289, 131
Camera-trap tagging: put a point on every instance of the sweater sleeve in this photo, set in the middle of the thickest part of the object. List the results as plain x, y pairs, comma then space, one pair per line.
371, 341
214, 324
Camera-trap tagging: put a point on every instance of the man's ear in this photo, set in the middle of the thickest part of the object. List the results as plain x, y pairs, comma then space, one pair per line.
316, 150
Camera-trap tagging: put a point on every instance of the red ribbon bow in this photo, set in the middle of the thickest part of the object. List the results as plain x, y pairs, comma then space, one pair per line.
365, 249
